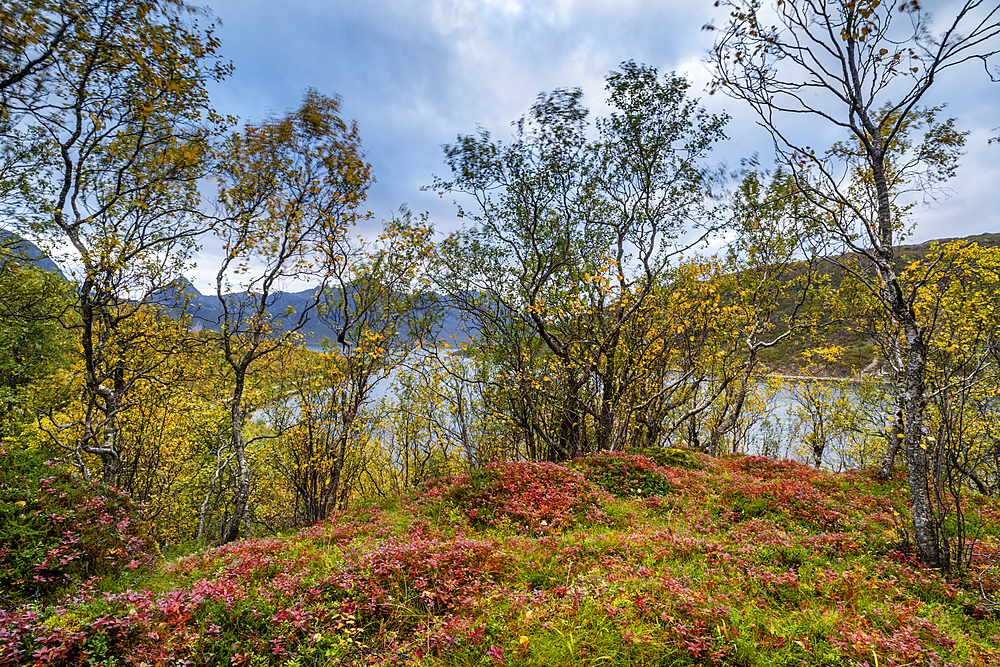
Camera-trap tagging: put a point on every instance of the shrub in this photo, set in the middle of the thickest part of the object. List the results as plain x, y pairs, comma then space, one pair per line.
537, 497
764, 468
424, 573
670, 456
55, 528
625, 475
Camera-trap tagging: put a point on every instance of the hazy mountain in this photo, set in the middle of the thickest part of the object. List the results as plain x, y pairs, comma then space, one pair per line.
206, 312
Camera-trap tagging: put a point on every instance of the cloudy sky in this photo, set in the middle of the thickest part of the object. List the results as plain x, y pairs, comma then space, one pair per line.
416, 73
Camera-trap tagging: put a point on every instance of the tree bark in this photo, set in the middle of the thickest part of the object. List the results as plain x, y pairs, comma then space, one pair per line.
915, 364
242, 498
733, 415
914, 401
895, 441
819, 439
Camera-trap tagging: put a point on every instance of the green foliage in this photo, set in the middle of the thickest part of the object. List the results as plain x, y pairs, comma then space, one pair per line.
749, 507
671, 456
624, 475
33, 345
56, 529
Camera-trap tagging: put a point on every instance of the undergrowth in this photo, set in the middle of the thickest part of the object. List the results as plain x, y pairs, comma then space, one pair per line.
611, 560
57, 530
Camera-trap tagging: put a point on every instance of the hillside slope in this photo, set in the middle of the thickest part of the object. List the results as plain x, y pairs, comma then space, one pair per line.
858, 351
735, 561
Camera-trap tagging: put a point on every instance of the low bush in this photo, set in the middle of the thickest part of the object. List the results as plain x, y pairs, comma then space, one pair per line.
690, 579
625, 475
57, 529
671, 456
533, 497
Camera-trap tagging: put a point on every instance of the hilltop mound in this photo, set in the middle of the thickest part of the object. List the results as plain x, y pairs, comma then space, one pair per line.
614, 559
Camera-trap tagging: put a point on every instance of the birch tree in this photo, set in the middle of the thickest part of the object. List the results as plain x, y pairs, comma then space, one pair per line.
862, 68
571, 237
123, 122
289, 190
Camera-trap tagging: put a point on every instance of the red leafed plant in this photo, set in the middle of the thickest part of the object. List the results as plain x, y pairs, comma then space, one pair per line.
535, 497
56, 528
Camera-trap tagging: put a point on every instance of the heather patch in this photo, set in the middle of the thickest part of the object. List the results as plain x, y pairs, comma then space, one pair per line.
534, 498
57, 529
763, 468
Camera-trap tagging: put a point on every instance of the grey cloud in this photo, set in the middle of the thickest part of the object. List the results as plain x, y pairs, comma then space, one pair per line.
417, 73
